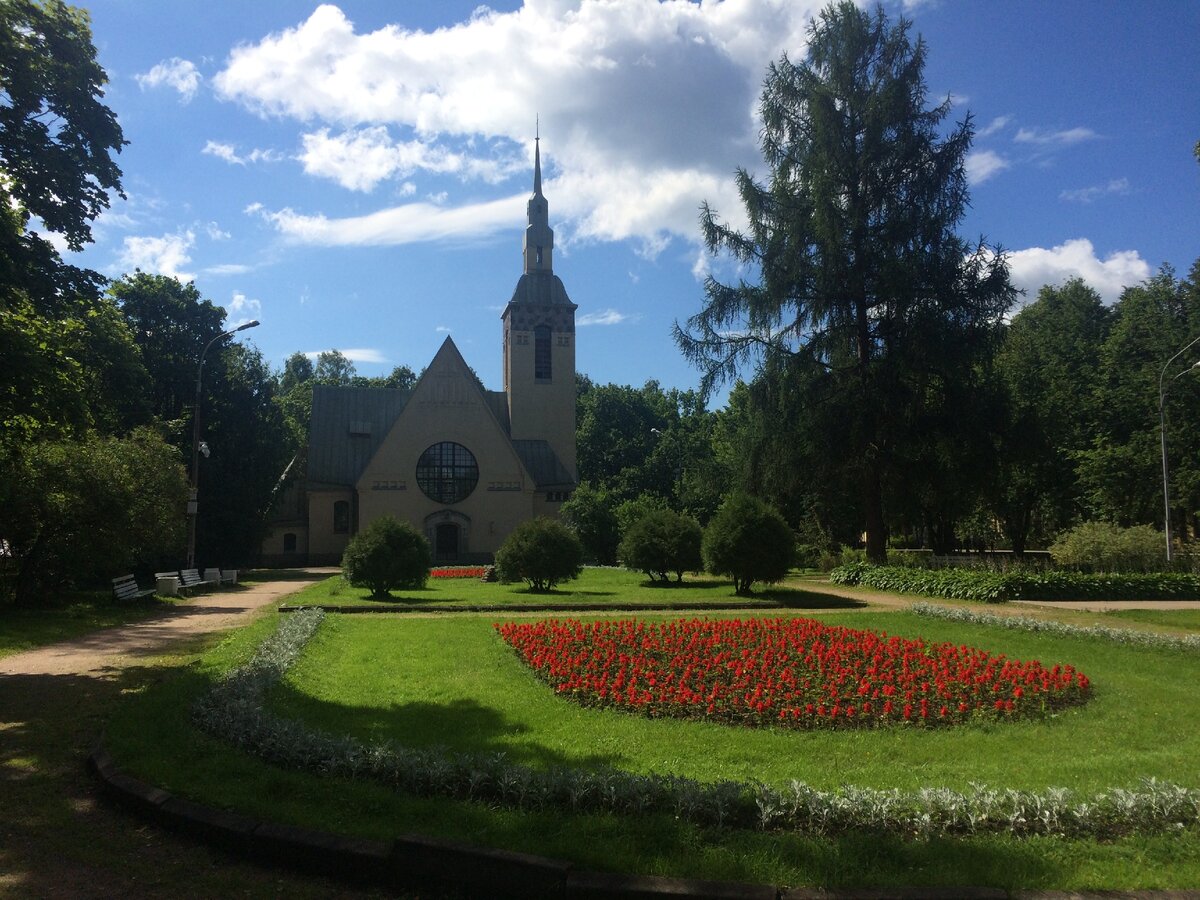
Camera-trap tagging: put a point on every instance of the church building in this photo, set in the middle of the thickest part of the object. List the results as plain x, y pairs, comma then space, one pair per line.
463, 464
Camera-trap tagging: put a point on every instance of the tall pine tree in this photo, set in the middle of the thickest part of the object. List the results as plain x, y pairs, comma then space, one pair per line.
853, 238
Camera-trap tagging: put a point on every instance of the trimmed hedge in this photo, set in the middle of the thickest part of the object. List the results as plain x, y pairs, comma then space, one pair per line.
1000, 587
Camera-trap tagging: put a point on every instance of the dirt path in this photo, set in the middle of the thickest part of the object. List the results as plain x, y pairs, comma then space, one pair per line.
106, 651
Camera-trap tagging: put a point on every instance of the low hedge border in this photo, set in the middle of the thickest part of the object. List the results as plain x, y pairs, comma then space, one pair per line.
1127, 636
1002, 587
235, 712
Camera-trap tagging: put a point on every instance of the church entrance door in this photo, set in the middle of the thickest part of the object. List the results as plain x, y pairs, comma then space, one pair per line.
446, 541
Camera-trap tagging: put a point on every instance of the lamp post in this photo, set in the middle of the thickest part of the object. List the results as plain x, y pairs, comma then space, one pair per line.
193, 506
1162, 425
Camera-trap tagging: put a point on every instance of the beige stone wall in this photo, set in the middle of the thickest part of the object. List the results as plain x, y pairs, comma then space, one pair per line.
447, 406
543, 410
323, 543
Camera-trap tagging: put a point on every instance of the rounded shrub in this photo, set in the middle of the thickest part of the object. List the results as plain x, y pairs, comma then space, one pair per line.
1102, 547
541, 552
662, 541
748, 541
386, 555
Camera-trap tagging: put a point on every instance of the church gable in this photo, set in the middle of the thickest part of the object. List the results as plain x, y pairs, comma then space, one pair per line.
447, 406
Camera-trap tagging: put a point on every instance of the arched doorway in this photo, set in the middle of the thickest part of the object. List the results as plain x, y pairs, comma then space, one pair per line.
445, 542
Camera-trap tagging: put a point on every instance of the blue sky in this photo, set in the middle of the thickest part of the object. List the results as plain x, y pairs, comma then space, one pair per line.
355, 175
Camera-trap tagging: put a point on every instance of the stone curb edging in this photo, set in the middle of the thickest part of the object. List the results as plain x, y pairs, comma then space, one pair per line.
414, 861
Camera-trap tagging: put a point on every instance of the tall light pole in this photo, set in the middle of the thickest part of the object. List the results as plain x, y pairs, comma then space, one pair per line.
193, 506
1162, 425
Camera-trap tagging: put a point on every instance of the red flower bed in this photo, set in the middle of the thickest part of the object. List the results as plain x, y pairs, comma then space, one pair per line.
458, 572
797, 673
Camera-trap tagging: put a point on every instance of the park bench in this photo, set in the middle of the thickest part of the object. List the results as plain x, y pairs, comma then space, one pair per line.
189, 579
126, 588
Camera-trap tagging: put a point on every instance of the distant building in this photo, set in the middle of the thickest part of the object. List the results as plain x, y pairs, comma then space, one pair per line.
463, 464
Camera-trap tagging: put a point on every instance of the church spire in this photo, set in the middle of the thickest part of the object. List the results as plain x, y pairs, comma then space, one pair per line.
539, 237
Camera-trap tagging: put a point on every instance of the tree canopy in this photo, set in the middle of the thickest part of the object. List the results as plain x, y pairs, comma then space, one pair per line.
861, 275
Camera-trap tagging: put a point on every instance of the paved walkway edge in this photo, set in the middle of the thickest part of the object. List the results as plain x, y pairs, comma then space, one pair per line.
414, 861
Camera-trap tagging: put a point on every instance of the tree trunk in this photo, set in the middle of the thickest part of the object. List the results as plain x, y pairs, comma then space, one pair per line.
873, 507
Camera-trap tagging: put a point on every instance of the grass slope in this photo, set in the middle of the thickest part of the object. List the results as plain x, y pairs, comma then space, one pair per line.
75, 614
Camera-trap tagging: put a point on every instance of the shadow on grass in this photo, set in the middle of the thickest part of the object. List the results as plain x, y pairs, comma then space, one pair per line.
154, 733
792, 598
461, 725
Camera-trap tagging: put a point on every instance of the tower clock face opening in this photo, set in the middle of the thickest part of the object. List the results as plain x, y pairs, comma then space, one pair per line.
447, 472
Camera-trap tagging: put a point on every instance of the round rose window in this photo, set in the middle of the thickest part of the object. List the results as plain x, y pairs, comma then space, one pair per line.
447, 472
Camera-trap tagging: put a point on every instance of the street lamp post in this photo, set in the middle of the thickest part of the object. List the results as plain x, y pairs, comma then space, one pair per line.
1162, 425
193, 506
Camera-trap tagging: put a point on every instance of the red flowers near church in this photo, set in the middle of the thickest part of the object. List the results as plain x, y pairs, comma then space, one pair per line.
796, 673
458, 572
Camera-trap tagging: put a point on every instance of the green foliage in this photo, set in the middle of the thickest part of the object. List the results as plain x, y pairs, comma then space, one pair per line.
748, 541
541, 552
1103, 547
662, 542
86, 510
589, 512
386, 555
1001, 587
882, 313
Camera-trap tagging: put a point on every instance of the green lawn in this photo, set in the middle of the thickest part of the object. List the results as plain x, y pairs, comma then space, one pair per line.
450, 681
597, 586
1183, 619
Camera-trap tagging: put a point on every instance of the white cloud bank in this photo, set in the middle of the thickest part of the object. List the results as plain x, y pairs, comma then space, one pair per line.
1034, 267
646, 107
241, 309
605, 317
1095, 192
165, 255
178, 74
354, 354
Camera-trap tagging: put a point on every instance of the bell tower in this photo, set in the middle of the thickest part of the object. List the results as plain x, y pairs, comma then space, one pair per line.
539, 338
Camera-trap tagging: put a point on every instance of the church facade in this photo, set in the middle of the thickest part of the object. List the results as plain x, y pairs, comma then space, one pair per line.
463, 464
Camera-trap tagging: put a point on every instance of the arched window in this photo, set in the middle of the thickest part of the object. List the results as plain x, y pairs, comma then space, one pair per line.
289, 543
447, 472
541, 353
341, 517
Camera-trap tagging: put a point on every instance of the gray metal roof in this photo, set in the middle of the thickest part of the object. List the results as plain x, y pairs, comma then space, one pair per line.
348, 424
543, 464
542, 288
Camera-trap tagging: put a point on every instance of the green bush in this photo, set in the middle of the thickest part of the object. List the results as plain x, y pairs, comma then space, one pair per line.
660, 542
541, 552
748, 541
590, 513
1101, 547
386, 555
999, 587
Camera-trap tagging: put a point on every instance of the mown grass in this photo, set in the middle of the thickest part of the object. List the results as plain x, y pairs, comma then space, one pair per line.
597, 586
450, 681
1183, 619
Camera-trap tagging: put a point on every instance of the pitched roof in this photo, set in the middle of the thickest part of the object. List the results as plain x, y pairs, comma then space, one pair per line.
543, 464
348, 424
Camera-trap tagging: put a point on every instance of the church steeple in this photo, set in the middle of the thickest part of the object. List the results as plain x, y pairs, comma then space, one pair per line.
538, 247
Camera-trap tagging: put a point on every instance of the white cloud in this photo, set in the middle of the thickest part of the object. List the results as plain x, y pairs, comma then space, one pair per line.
1095, 192
1034, 267
407, 224
983, 164
165, 255
1054, 138
176, 73
360, 159
647, 107
442, 329
228, 152
216, 232
605, 317
241, 309
228, 269
997, 124
354, 354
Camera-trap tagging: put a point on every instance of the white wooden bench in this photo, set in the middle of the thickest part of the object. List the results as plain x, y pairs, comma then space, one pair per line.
126, 588
190, 580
